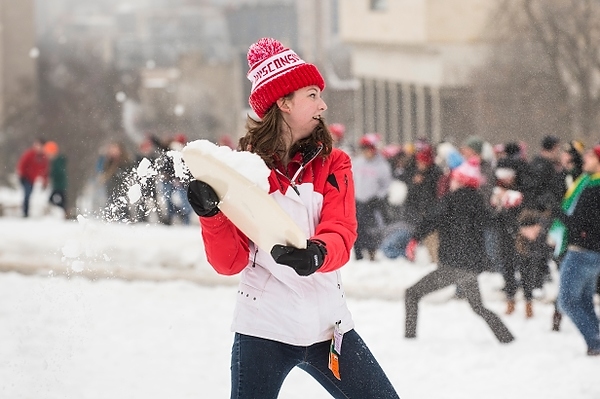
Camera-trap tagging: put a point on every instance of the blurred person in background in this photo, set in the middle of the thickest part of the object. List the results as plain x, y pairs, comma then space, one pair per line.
475, 146
546, 177
579, 226
460, 219
398, 234
372, 178
572, 162
115, 166
172, 187
533, 253
338, 133
547, 188
31, 166
398, 160
422, 179
149, 196
571, 159
57, 176
510, 179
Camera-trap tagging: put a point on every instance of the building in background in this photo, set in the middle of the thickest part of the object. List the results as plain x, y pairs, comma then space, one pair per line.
18, 59
18, 83
413, 59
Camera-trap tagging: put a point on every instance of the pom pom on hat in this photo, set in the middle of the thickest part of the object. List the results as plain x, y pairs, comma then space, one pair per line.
468, 173
276, 71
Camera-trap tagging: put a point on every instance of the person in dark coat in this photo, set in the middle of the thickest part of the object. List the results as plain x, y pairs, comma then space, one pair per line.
547, 184
460, 220
58, 175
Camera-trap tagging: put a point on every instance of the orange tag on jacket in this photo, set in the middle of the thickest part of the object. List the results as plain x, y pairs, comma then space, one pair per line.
334, 365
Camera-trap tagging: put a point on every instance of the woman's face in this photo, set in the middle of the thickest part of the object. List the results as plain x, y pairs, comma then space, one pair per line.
302, 111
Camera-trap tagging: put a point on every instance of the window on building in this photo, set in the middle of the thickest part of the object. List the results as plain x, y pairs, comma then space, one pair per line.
379, 5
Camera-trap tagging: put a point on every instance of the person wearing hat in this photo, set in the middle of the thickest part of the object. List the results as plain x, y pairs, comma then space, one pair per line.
372, 178
291, 309
57, 175
422, 182
578, 226
460, 219
338, 132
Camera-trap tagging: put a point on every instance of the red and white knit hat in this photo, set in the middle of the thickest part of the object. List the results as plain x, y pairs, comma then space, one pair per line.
276, 71
468, 173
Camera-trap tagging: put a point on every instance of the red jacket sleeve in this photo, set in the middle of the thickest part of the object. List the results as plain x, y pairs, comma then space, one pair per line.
227, 248
337, 225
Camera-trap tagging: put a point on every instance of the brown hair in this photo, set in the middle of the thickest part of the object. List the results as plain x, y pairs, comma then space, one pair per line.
263, 137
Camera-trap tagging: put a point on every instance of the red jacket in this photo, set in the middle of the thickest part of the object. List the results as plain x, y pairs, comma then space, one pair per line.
274, 302
336, 226
32, 165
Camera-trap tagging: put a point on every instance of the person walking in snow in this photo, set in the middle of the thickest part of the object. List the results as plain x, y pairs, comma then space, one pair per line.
293, 310
32, 165
460, 219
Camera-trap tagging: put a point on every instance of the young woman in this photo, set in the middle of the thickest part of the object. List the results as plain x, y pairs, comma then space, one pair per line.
292, 310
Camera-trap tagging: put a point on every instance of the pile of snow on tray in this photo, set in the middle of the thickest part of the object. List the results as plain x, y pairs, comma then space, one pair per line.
249, 165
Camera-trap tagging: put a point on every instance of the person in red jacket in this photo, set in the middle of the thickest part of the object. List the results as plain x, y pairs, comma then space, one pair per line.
292, 311
32, 165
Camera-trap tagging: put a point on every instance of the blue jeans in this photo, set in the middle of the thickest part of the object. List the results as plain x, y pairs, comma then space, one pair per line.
184, 209
579, 272
27, 190
259, 367
394, 244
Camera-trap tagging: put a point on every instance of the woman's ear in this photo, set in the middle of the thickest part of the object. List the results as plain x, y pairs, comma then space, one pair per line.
283, 105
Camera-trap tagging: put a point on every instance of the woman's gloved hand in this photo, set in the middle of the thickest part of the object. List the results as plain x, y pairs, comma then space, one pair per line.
304, 261
203, 198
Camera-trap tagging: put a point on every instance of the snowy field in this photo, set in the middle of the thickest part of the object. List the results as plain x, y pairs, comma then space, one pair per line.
90, 310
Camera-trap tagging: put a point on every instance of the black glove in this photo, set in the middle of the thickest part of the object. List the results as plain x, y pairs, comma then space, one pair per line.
203, 198
304, 261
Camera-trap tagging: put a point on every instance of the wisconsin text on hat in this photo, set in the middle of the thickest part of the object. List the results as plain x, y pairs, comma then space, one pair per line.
273, 66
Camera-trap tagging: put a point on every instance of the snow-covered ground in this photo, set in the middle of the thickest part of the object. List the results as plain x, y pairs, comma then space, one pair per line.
95, 310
